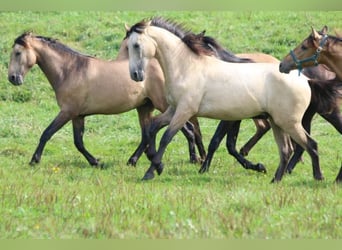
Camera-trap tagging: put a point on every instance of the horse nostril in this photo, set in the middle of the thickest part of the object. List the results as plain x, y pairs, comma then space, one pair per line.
11, 78
135, 74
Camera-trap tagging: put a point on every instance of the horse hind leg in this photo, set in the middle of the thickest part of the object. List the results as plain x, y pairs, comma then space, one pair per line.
232, 135
284, 148
78, 130
188, 132
301, 137
262, 126
221, 130
198, 139
298, 152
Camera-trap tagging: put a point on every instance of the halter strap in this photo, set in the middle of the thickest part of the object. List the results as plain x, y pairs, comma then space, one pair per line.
313, 58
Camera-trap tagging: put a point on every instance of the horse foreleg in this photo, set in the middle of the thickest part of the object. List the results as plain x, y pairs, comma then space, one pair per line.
215, 141
262, 126
158, 122
61, 119
78, 130
231, 147
176, 120
145, 119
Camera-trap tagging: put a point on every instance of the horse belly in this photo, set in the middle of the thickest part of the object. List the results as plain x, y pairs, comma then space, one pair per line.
115, 100
230, 103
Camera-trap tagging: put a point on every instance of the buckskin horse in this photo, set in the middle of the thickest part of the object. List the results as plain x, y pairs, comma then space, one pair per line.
199, 84
86, 85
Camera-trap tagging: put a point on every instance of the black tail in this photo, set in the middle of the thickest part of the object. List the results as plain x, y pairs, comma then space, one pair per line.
325, 95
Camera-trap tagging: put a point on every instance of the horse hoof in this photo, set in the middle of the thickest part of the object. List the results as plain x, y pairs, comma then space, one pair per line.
94, 162
261, 168
289, 170
148, 176
33, 163
196, 160
319, 178
160, 168
35, 160
132, 162
275, 181
102, 166
203, 169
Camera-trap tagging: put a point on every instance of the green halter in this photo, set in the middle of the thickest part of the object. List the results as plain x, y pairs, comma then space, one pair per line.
313, 58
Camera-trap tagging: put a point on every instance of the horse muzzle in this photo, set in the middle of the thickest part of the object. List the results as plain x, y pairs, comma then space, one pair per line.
283, 68
138, 75
16, 79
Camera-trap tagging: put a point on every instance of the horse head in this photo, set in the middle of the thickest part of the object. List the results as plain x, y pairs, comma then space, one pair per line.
22, 59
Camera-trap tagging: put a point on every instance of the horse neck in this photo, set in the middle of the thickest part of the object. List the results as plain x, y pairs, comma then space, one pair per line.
123, 51
332, 57
52, 63
170, 51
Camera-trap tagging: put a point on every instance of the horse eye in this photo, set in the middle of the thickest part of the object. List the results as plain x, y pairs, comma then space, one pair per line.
136, 46
303, 47
17, 53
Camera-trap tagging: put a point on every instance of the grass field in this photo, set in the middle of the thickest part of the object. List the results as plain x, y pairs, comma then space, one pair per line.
63, 197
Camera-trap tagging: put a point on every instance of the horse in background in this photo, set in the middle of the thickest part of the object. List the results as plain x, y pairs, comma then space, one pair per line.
85, 85
326, 100
317, 48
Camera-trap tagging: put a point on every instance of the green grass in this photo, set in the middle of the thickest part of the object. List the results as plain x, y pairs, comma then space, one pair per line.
63, 197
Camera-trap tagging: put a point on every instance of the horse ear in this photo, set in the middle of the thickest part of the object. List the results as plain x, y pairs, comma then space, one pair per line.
127, 28
202, 33
315, 37
324, 30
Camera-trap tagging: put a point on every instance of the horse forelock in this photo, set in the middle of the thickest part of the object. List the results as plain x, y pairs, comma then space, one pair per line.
138, 28
21, 39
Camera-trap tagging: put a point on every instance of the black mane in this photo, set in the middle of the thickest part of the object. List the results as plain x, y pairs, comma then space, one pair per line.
167, 24
198, 43
54, 43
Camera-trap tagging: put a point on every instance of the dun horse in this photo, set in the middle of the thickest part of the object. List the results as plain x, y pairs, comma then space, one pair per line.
85, 86
326, 99
198, 84
317, 48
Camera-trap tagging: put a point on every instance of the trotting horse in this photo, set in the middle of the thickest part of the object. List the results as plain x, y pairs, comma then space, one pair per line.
317, 48
325, 100
199, 84
85, 85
